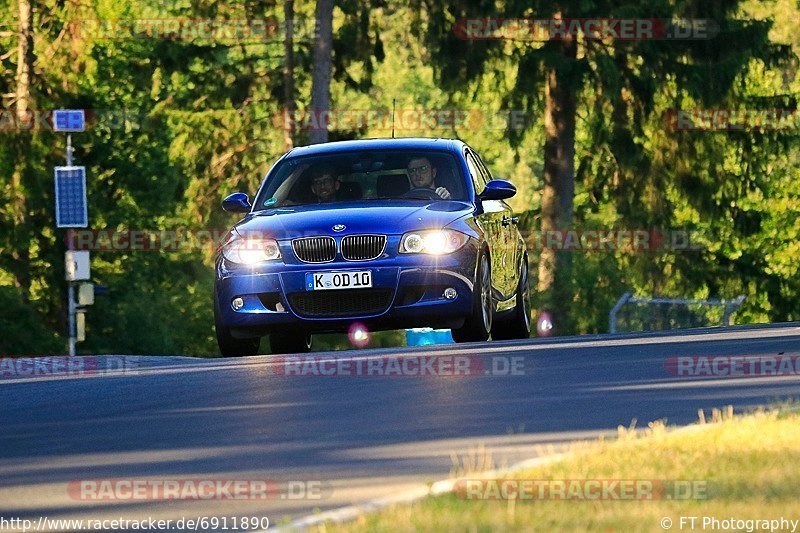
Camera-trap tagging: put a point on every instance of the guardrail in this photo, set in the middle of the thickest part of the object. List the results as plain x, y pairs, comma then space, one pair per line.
729, 306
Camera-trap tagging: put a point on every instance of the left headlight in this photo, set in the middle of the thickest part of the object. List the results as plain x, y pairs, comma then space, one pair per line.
251, 251
432, 242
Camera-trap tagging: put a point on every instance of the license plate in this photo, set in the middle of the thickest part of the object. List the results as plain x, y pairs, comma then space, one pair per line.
322, 281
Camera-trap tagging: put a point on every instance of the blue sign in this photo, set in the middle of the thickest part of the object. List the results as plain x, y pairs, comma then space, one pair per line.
71, 197
426, 336
68, 120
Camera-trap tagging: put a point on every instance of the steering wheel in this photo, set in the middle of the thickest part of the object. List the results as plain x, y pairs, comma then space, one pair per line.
422, 191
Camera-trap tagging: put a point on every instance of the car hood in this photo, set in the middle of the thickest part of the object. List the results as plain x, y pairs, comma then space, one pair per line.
391, 217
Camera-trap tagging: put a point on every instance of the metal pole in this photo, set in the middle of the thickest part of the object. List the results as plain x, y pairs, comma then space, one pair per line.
70, 284
612, 316
731, 308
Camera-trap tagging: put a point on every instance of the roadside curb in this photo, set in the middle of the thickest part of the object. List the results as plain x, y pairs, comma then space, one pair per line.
353, 512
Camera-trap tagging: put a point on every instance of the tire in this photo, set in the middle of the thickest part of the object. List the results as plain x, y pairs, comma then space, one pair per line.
290, 341
517, 322
478, 325
230, 346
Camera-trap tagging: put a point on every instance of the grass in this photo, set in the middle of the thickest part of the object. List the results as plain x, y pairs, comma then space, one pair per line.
750, 465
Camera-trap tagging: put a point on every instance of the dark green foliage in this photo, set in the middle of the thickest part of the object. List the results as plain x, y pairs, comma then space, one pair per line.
23, 329
186, 122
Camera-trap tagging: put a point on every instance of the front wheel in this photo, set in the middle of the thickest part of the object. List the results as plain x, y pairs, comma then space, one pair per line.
517, 323
230, 346
478, 325
290, 341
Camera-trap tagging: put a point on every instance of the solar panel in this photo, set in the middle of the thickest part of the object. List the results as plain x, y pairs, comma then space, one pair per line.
68, 120
71, 197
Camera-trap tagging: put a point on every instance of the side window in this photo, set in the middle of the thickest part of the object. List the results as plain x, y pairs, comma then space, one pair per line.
487, 176
478, 180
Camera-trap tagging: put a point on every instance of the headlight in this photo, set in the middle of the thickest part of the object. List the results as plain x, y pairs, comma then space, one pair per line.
251, 251
433, 242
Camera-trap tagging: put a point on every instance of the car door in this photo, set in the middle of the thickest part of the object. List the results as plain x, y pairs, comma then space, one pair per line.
507, 240
490, 219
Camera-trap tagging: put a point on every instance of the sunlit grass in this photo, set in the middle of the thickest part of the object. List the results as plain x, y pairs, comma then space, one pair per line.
749, 465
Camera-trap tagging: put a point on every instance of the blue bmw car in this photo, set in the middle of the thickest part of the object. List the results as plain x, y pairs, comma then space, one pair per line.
389, 233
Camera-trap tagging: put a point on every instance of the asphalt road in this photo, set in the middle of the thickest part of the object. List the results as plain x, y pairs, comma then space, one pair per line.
344, 439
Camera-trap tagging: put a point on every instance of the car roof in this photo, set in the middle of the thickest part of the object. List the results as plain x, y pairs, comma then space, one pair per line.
409, 143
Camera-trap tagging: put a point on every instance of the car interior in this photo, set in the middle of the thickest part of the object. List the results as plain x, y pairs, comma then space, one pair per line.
370, 176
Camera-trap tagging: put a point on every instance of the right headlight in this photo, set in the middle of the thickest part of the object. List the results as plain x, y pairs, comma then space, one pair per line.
251, 251
432, 242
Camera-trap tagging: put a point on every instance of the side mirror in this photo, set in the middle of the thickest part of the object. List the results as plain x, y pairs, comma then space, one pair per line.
237, 202
498, 190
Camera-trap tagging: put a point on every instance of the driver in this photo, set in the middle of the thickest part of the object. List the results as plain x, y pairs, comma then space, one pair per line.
421, 173
324, 185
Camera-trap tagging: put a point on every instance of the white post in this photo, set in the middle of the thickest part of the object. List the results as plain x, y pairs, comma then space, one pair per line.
70, 284
71, 307
69, 150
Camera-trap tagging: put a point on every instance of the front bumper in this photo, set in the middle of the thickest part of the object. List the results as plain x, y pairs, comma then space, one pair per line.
411, 288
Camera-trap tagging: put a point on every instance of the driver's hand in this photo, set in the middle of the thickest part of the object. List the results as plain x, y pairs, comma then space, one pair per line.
443, 193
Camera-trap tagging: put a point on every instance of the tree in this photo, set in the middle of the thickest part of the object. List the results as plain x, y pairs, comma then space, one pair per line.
21, 172
288, 74
559, 165
321, 73
607, 78
197, 127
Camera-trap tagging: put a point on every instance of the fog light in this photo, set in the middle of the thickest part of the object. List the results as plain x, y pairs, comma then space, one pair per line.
237, 303
279, 307
450, 293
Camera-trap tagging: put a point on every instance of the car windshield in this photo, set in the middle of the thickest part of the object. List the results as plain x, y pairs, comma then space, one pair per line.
373, 175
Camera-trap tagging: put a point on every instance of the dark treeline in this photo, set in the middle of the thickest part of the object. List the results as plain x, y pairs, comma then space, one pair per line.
597, 134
